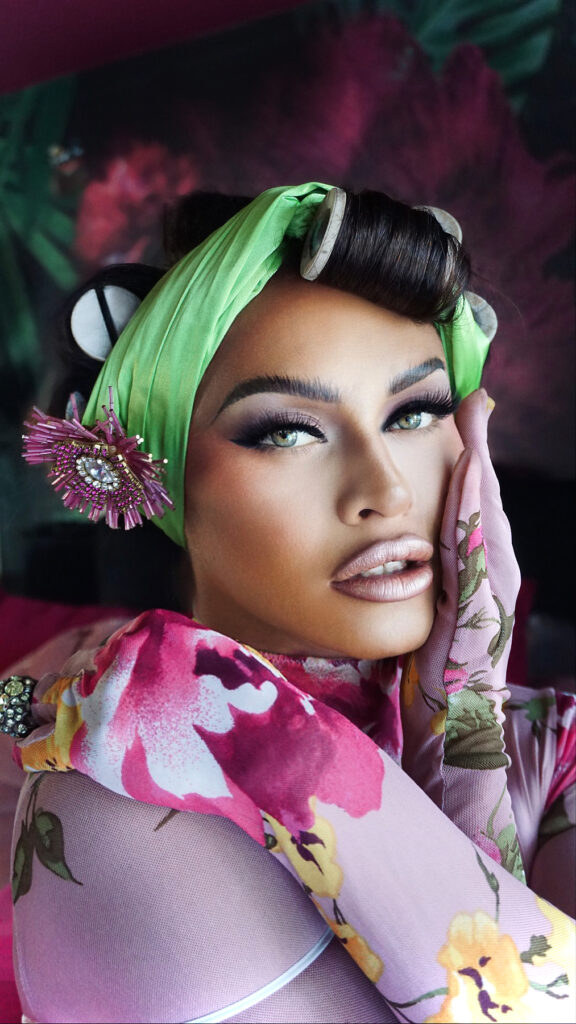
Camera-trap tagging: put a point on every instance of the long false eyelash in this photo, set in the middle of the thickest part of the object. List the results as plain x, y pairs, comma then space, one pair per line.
439, 403
254, 433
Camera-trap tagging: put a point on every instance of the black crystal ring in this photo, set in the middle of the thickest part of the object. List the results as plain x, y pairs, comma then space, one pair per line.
15, 705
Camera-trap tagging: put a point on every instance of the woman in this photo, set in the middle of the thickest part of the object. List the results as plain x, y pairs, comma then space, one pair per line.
337, 502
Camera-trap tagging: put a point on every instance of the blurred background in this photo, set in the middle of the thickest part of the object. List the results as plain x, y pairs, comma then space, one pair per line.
108, 112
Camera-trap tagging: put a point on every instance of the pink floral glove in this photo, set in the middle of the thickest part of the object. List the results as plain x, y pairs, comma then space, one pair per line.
455, 685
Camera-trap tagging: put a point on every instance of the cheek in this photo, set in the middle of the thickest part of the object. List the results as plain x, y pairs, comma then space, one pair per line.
448, 452
242, 507
432, 475
217, 494
454, 445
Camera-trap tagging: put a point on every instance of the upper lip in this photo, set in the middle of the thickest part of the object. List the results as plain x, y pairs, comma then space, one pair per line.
407, 548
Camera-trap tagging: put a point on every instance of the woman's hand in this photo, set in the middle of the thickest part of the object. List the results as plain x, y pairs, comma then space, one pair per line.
456, 683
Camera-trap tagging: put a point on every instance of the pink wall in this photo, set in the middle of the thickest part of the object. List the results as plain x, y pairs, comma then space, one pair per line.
42, 39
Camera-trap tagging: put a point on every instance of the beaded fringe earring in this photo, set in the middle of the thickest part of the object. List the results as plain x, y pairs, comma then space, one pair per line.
100, 470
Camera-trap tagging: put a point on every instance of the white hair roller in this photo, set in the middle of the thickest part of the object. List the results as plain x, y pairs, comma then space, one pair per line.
99, 316
445, 220
483, 314
322, 234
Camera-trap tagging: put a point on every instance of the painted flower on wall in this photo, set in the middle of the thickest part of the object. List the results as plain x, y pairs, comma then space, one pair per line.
120, 213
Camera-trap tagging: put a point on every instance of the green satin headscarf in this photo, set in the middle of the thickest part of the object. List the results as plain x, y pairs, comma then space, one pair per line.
157, 363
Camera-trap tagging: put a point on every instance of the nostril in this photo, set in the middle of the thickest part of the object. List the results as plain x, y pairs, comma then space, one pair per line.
364, 513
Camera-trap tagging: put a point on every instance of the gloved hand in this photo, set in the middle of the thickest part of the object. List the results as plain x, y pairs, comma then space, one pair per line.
454, 686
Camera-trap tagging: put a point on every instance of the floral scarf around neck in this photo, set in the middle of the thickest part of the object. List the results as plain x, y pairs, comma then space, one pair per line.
171, 713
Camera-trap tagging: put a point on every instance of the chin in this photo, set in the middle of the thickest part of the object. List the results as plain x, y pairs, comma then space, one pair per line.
390, 633
378, 648
361, 630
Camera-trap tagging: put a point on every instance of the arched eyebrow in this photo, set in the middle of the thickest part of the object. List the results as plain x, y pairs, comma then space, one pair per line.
299, 387
414, 374
316, 391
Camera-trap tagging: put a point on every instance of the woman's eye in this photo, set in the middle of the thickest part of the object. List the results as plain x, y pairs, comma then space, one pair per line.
412, 421
286, 437
276, 434
423, 412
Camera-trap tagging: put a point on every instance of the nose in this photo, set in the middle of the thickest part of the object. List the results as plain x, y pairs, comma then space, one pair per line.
372, 484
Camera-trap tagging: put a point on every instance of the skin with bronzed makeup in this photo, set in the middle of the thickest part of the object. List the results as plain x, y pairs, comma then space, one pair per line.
320, 450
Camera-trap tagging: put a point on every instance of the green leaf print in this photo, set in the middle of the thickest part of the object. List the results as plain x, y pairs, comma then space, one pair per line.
556, 819
539, 946
514, 37
473, 735
536, 711
41, 834
22, 868
473, 561
492, 882
507, 843
49, 844
478, 620
497, 645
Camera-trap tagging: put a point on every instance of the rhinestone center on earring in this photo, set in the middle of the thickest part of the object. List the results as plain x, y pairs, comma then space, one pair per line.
99, 472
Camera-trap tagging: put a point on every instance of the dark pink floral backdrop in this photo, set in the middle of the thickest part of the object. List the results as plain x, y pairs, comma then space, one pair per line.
361, 105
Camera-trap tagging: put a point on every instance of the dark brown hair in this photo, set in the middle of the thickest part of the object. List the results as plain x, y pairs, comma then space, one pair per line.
193, 217
397, 257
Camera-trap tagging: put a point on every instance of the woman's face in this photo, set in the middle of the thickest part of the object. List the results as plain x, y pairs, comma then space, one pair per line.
320, 450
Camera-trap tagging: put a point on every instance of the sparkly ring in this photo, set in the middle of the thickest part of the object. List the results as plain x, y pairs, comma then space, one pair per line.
15, 704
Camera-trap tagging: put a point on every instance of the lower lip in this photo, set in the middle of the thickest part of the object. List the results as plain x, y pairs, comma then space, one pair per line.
399, 586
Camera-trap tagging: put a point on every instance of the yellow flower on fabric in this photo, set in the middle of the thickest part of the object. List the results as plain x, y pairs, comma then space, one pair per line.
410, 682
438, 722
311, 853
52, 747
485, 976
262, 659
368, 961
68, 721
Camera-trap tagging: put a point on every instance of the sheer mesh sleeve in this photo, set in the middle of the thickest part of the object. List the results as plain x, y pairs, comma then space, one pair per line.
135, 913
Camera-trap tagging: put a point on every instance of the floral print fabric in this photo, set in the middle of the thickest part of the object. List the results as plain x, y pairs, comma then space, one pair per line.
182, 716
456, 683
174, 714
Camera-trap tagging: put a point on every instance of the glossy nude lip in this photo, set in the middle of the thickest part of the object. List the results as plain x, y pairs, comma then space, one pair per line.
400, 585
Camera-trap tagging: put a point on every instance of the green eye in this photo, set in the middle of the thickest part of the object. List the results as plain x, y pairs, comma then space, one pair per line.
290, 437
274, 432
284, 438
410, 421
